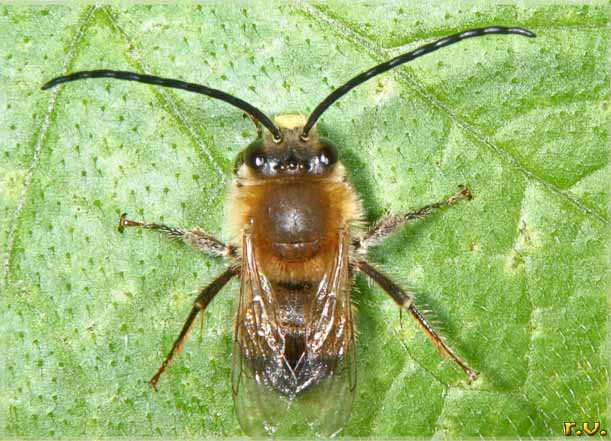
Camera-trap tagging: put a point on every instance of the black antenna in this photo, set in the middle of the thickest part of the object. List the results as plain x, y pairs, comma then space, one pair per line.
404, 58
175, 84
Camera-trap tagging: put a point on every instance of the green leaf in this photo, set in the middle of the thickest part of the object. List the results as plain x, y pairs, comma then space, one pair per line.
518, 277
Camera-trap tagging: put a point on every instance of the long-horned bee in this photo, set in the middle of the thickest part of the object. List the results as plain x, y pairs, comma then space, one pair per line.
297, 238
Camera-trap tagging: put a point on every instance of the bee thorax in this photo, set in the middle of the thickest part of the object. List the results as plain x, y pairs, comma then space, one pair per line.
294, 217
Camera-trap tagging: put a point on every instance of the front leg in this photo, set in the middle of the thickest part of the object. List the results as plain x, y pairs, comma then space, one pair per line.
390, 224
194, 237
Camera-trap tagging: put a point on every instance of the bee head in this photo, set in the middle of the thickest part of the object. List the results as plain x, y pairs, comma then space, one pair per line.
293, 154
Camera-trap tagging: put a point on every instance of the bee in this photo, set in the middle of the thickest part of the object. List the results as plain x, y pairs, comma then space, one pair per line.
297, 240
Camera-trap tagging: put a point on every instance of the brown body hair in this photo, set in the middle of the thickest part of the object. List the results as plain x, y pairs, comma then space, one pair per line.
295, 218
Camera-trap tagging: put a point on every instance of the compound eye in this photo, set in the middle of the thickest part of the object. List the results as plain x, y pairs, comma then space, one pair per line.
259, 161
254, 156
327, 154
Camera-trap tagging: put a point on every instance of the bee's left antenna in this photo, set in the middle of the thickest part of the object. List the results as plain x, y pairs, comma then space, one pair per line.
404, 58
175, 84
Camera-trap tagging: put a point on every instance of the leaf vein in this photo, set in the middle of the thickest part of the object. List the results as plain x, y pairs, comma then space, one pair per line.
171, 104
39, 145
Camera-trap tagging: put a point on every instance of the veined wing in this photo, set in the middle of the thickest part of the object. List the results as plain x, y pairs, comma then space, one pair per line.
314, 395
329, 325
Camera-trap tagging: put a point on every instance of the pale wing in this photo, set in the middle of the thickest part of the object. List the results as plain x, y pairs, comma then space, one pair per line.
331, 348
314, 397
258, 354
258, 336
329, 325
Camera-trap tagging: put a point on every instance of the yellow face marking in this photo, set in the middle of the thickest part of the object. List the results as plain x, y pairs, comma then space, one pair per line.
290, 121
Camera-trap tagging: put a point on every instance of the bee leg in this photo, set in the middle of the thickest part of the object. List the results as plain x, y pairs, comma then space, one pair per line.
404, 300
196, 238
390, 224
204, 298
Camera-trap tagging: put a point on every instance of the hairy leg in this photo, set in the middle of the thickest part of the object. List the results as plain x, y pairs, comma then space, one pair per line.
390, 224
203, 300
404, 301
195, 237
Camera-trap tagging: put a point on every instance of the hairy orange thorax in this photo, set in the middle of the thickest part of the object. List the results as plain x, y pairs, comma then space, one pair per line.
294, 198
295, 222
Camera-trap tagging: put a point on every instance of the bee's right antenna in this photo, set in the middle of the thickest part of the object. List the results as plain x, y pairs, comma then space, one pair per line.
404, 58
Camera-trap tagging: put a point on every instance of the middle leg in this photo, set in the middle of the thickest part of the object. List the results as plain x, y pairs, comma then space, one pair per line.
404, 301
203, 299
